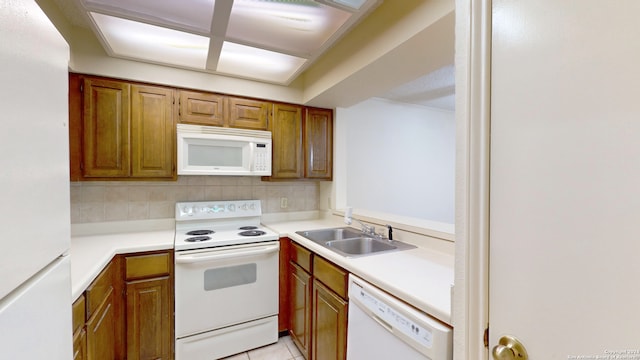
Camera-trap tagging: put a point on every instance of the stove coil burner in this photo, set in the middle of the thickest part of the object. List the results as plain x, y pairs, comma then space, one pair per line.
248, 227
200, 232
198, 238
252, 233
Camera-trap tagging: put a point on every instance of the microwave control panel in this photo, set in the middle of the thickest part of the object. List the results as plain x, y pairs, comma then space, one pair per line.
262, 155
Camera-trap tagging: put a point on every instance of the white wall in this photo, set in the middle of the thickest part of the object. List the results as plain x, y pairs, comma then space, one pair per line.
395, 158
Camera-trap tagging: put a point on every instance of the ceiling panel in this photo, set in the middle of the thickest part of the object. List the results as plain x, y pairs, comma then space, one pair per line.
264, 40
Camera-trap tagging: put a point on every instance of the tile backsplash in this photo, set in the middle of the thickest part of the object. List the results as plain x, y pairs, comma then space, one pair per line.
98, 201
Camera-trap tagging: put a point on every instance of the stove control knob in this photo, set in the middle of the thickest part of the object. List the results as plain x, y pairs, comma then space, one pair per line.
231, 207
244, 206
252, 206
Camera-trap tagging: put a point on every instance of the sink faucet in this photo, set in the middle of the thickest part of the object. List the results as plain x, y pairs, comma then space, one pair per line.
365, 228
348, 219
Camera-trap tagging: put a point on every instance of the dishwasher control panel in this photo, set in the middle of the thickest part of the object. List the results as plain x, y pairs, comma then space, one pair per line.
392, 318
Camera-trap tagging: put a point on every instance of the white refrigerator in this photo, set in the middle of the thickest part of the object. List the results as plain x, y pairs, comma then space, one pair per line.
35, 285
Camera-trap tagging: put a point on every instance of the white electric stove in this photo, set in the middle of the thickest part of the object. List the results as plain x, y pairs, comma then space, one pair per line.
226, 279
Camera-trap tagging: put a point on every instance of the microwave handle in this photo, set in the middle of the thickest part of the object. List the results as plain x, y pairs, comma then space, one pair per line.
192, 259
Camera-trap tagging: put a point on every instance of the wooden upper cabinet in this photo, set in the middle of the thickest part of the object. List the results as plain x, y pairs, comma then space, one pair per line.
318, 144
302, 143
201, 108
106, 125
120, 130
248, 113
286, 132
152, 131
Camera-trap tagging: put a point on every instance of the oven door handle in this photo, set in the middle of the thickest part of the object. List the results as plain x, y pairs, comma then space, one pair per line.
222, 255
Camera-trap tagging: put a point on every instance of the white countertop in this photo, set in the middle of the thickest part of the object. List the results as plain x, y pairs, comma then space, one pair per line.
420, 277
91, 253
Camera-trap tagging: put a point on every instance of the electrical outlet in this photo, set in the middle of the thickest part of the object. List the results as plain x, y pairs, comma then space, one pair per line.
284, 203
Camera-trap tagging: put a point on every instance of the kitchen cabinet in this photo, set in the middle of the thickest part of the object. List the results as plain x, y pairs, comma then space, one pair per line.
248, 113
286, 133
200, 108
128, 310
106, 123
300, 294
318, 144
211, 109
79, 329
317, 305
103, 316
330, 308
153, 132
302, 143
120, 130
149, 306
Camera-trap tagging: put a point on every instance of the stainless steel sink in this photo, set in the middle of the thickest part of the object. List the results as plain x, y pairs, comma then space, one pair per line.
321, 236
350, 242
361, 245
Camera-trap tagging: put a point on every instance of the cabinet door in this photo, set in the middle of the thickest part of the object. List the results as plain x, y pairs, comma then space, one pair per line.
286, 129
329, 324
318, 144
80, 345
148, 317
300, 288
201, 108
153, 132
101, 331
106, 125
248, 114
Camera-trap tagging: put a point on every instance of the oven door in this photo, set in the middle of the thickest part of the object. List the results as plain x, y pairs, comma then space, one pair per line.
223, 286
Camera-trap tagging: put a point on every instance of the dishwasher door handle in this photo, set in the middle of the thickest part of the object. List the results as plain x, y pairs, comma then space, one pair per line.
223, 255
382, 323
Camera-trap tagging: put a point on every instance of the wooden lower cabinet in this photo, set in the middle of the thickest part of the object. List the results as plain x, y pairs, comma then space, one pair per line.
102, 330
318, 305
129, 310
149, 310
149, 319
300, 287
329, 324
80, 345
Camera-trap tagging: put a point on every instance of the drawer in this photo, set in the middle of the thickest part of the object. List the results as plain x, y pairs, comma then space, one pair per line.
142, 266
301, 256
100, 288
332, 276
78, 313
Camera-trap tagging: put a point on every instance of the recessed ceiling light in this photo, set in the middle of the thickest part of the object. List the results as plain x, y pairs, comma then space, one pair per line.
138, 40
192, 15
257, 63
295, 27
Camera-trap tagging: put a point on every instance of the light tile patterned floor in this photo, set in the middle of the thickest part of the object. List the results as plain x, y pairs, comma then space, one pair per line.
284, 349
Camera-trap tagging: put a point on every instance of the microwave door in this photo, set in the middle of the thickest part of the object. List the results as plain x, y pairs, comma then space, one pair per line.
205, 156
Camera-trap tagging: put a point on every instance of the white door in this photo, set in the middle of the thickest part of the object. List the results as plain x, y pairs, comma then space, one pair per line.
565, 178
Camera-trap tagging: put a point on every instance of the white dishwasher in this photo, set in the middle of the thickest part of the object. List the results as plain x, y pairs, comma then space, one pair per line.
382, 327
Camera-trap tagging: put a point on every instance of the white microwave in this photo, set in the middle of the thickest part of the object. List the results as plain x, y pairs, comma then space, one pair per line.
210, 150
